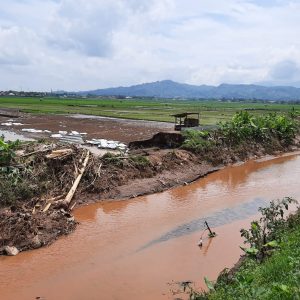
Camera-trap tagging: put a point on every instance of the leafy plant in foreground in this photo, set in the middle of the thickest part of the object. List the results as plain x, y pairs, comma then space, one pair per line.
7, 151
264, 234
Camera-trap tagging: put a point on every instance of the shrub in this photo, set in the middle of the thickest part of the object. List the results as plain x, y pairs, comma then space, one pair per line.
244, 127
7, 151
264, 234
197, 141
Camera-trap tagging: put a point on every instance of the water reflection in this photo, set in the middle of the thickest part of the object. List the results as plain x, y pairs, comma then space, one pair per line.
229, 178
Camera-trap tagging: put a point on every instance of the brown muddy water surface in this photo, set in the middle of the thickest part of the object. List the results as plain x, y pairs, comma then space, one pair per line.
134, 249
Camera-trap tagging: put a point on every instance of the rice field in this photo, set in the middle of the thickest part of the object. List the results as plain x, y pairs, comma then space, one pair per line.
211, 111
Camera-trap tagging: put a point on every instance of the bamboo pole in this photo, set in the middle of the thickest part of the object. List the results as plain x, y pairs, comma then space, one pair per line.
47, 207
72, 191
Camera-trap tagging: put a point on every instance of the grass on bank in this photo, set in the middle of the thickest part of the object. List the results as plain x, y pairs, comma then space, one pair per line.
271, 269
211, 111
277, 277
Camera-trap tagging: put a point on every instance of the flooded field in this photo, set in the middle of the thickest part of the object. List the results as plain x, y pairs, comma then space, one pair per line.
12, 136
94, 126
136, 249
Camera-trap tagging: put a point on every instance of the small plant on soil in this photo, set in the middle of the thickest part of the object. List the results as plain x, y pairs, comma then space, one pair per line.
139, 161
197, 141
113, 159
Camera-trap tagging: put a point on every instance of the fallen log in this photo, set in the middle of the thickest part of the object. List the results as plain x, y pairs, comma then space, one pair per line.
72, 191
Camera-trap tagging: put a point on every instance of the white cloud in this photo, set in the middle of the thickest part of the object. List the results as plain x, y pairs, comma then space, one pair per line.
86, 44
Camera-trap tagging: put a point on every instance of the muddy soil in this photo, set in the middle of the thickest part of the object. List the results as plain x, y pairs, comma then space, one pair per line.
167, 169
24, 230
96, 127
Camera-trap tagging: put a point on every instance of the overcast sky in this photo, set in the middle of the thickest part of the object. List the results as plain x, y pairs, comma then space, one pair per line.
89, 44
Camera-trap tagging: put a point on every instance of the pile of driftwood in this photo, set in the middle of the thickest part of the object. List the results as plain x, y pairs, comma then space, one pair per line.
48, 175
64, 200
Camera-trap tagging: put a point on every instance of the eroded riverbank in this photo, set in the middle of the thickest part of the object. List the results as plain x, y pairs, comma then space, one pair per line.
120, 250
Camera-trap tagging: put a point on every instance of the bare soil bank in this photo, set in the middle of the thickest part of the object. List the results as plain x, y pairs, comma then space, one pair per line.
24, 224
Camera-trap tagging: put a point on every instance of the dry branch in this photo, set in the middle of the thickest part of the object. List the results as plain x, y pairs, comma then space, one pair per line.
54, 199
59, 153
47, 207
36, 152
72, 191
71, 208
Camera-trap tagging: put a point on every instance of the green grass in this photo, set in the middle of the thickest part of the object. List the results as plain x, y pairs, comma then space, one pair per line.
276, 278
211, 112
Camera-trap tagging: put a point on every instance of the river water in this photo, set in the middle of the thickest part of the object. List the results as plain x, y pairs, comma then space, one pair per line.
138, 249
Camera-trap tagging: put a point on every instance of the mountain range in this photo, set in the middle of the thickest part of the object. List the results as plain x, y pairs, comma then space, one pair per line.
171, 89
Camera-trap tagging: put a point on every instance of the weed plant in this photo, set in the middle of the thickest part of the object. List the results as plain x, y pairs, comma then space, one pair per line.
7, 151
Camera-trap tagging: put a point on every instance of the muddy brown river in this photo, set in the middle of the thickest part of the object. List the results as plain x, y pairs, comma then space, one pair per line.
136, 249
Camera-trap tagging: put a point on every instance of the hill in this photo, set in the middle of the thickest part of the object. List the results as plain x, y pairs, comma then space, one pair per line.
171, 89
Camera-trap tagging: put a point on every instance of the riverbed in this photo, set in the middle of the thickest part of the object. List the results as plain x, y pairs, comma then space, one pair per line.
140, 248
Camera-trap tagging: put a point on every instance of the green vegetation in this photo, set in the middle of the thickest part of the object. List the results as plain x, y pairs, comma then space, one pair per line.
113, 159
264, 235
272, 268
137, 161
12, 186
6, 151
197, 141
244, 128
211, 112
23, 179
